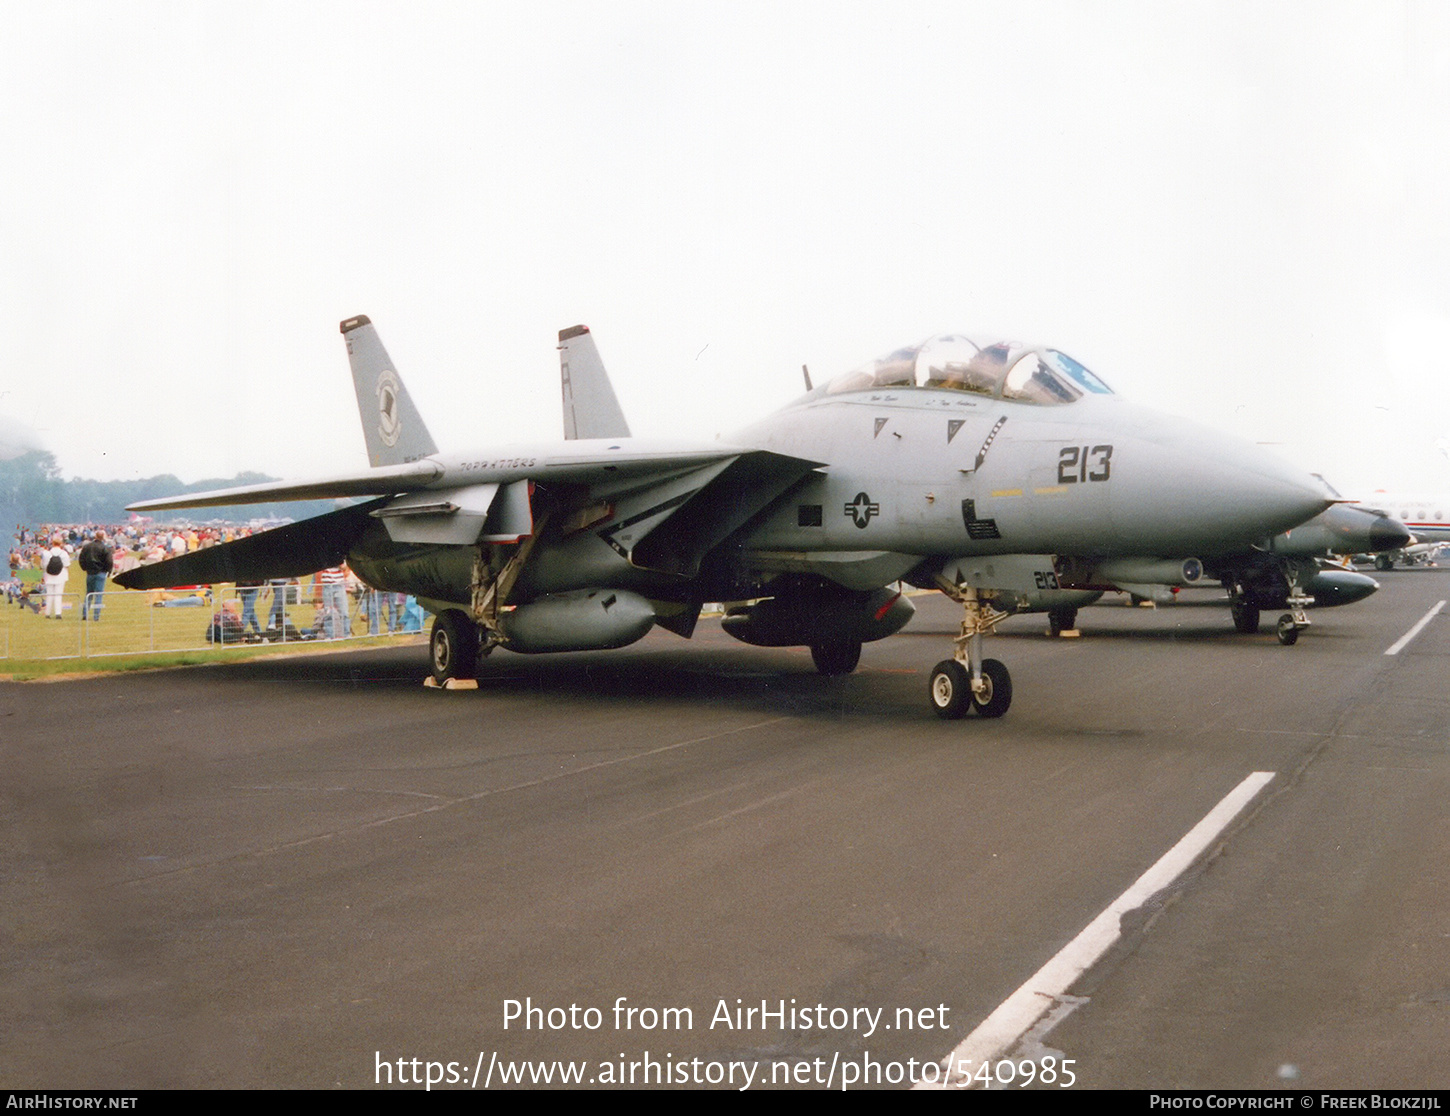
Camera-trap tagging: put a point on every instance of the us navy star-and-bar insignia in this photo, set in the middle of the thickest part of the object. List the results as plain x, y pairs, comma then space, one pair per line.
861, 509
879, 424
953, 425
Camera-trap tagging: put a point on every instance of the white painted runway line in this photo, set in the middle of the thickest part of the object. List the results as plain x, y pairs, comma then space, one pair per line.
996, 1034
1399, 644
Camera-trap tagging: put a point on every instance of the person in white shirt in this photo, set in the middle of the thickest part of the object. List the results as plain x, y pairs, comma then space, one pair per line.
57, 559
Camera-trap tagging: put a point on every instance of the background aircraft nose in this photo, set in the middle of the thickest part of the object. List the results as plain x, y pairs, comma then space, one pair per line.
1388, 534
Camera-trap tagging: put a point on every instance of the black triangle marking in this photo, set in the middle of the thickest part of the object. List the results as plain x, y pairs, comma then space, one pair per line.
953, 425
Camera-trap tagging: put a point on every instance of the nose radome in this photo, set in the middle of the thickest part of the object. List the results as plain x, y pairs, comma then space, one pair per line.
1388, 534
1210, 490
1284, 496
1252, 487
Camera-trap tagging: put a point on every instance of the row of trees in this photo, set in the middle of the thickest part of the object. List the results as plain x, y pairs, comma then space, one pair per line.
32, 491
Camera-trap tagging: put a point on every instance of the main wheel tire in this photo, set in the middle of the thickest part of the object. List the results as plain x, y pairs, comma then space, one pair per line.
1061, 620
1246, 617
453, 646
950, 690
1288, 631
1383, 562
996, 695
837, 657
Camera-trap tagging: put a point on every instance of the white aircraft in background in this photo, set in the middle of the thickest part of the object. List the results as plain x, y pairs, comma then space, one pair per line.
1427, 517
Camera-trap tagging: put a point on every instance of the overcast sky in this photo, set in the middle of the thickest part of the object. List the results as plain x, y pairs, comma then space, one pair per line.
1232, 211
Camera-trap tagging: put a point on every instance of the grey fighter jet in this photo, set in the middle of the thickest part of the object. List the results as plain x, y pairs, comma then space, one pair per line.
979, 467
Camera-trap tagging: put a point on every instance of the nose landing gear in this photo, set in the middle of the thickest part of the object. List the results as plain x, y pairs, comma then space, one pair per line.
967, 681
1294, 621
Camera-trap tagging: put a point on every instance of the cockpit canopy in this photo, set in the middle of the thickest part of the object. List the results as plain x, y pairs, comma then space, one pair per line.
997, 369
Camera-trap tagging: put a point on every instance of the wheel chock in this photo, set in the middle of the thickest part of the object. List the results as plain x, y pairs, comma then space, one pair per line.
430, 683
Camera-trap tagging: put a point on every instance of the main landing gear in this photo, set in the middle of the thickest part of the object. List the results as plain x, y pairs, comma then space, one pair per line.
1245, 613
967, 681
453, 647
1060, 620
459, 638
836, 657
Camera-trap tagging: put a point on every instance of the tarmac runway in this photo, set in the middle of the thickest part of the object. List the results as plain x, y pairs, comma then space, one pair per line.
309, 872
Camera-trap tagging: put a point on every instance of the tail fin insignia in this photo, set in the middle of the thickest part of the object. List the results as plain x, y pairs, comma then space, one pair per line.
392, 427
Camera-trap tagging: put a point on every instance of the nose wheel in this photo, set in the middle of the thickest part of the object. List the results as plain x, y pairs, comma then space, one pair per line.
950, 690
967, 681
953, 696
1295, 620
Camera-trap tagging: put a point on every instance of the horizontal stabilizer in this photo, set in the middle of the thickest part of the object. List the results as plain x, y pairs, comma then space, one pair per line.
385, 481
295, 550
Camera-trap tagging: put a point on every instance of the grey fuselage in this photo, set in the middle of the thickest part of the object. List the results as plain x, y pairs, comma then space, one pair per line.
907, 476
1096, 477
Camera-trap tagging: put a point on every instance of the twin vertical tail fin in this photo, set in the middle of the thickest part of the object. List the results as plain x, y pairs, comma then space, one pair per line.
392, 427
590, 408
394, 430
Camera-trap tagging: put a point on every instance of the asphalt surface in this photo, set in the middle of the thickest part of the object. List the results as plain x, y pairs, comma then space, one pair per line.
297, 873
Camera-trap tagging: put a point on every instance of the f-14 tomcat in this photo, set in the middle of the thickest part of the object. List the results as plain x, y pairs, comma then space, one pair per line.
976, 467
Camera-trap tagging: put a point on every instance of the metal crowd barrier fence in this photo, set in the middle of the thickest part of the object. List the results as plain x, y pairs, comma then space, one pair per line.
131, 622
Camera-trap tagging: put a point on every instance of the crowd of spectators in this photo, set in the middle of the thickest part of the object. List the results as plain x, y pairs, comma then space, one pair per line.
41, 557
132, 544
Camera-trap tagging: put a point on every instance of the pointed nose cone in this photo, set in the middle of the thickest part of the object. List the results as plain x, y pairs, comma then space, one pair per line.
1388, 534
1184, 489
